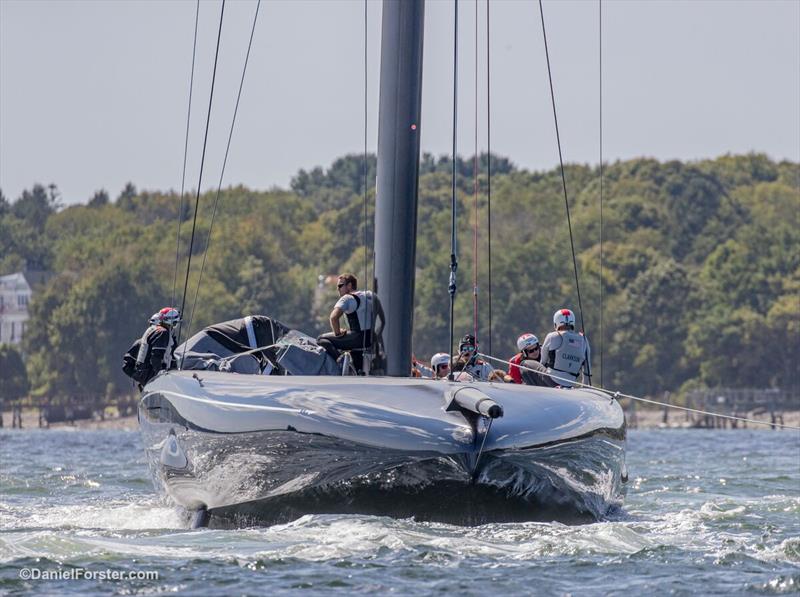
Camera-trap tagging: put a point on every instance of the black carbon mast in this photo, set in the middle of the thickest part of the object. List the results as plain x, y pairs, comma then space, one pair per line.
398, 176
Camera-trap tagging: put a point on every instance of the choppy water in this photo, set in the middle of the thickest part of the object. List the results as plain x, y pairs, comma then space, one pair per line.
711, 512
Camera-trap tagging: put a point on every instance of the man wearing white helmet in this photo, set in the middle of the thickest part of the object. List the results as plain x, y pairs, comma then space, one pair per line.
157, 345
440, 363
530, 351
565, 352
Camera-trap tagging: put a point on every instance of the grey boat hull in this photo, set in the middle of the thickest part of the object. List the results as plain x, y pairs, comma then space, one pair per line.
266, 449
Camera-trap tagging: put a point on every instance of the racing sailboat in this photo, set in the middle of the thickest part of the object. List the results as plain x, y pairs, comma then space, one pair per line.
241, 448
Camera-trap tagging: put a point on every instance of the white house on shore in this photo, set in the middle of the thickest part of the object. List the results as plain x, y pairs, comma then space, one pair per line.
15, 296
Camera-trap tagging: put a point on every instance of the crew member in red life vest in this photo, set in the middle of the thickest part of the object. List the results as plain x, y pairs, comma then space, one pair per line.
565, 352
529, 350
157, 345
362, 310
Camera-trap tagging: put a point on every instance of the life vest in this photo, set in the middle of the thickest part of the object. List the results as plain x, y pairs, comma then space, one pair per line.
569, 355
136, 361
361, 317
479, 370
513, 370
145, 347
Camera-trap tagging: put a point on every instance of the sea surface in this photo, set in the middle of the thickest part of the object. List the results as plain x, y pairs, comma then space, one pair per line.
714, 512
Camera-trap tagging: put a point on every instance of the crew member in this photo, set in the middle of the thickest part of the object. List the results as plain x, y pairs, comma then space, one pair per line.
440, 363
565, 352
157, 345
529, 350
362, 310
468, 361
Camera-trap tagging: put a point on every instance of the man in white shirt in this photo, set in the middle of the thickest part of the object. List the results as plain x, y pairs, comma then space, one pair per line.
361, 309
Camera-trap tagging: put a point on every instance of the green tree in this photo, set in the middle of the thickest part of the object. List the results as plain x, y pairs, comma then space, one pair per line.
14, 379
729, 349
126, 197
22, 245
741, 170
82, 330
783, 328
687, 249
99, 199
35, 206
693, 200
333, 188
647, 353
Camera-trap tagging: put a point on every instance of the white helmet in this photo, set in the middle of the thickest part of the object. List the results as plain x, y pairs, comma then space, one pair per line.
440, 358
564, 317
527, 341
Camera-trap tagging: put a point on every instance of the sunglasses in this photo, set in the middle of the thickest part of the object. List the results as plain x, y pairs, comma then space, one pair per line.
468, 348
340, 285
445, 366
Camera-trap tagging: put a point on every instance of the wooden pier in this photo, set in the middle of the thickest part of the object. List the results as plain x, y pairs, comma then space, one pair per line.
768, 405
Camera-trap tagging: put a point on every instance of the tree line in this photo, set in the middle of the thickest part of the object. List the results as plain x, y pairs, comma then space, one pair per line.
689, 273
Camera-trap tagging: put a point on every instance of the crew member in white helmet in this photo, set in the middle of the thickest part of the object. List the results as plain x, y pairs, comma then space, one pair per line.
529, 351
565, 352
440, 363
157, 345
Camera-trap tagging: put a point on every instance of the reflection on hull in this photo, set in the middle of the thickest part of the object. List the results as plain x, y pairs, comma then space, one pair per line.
276, 475
444, 501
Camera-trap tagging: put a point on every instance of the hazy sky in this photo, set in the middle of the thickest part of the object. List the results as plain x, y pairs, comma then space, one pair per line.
94, 94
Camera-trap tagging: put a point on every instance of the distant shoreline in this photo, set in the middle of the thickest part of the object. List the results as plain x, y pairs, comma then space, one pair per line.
645, 419
654, 419
30, 420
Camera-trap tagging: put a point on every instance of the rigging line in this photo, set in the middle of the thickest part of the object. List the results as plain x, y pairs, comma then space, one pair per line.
561, 162
616, 395
489, 172
366, 166
475, 194
224, 163
602, 295
185, 153
200, 179
703, 412
453, 239
371, 284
